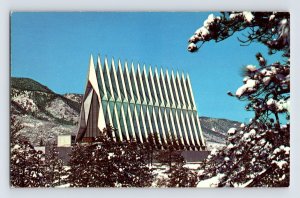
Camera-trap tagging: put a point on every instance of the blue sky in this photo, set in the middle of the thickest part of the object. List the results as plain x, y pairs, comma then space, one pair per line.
54, 49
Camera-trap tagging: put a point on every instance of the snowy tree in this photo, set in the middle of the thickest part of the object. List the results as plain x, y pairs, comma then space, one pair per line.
26, 164
182, 177
258, 153
177, 174
134, 171
107, 163
170, 155
54, 168
81, 166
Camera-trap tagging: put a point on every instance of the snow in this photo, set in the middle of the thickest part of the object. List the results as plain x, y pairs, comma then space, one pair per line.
202, 32
246, 137
231, 131
266, 80
248, 16
280, 163
211, 182
266, 72
110, 155
287, 105
283, 22
214, 145
282, 178
242, 185
262, 141
234, 15
271, 17
63, 186
193, 166
250, 84
16, 147
194, 39
252, 132
192, 46
251, 68
246, 78
286, 149
261, 59
281, 105
214, 152
209, 20
226, 159
240, 91
270, 102
230, 146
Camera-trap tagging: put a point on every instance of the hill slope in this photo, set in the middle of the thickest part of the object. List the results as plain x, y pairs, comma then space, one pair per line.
43, 113
215, 130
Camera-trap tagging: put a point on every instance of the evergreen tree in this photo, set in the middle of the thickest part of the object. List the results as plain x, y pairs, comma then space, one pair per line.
81, 166
26, 164
258, 153
182, 177
171, 155
177, 174
107, 163
133, 167
55, 172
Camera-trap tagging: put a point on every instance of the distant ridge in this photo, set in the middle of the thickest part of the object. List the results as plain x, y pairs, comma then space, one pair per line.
28, 84
215, 129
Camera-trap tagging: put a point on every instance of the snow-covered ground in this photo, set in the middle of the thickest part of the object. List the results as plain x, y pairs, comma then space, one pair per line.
214, 145
211, 182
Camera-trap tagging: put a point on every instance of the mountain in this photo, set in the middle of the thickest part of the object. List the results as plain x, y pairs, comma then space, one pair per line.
45, 114
215, 130
74, 97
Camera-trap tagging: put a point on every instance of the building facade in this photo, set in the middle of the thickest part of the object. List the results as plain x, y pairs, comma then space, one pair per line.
139, 103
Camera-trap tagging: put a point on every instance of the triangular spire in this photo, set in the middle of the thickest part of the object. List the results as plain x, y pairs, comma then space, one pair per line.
115, 83
101, 81
135, 87
108, 83
185, 92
